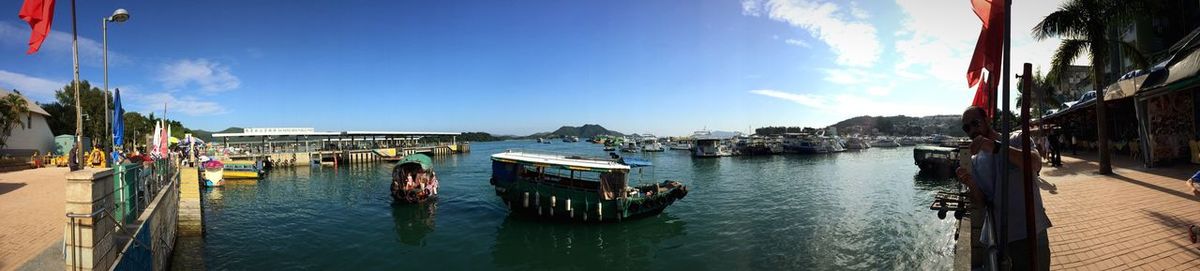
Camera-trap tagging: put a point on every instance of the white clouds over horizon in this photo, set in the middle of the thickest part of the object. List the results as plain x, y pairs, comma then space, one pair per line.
36, 88
926, 60
207, 76
845, 30
58, 43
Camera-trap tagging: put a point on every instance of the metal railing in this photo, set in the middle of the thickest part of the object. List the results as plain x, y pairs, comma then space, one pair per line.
77, 257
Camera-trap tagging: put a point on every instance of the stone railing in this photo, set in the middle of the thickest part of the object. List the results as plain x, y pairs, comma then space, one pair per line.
113, 216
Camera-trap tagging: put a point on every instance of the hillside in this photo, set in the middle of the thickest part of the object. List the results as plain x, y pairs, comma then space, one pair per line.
585, 131
884, 125
207, 136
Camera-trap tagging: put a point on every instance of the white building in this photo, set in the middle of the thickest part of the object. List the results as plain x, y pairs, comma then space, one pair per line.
34, 133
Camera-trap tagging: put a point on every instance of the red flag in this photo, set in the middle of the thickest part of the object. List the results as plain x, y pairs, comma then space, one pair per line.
988, 49
39, 14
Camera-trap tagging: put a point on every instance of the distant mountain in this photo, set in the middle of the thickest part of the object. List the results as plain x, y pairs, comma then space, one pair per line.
901, 125
207, 136
883, 125
585, 131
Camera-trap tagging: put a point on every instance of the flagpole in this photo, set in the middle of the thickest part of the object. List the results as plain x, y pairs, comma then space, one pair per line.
75, 83
1006, 132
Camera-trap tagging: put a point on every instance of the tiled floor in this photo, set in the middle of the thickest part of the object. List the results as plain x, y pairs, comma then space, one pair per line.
32, 213
1136, 218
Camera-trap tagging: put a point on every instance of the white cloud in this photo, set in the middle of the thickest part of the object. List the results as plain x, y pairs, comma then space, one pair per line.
208, 76
36, 88
852, 39
91, 52
939, 40
858, 13
797, 42
855, 105
879, 90
187, 105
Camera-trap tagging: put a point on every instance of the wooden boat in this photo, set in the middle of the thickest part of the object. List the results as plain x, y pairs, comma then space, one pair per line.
574, 188
413, 179
938, 161
213, 174
242, 170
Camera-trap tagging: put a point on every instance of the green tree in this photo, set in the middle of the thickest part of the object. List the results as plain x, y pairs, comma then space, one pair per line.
13, 111
1044, 92
1084, 26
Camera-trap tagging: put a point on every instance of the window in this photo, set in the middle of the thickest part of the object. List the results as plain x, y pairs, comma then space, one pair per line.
29, 121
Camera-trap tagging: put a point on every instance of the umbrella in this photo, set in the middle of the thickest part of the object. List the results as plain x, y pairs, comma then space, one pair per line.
118, 128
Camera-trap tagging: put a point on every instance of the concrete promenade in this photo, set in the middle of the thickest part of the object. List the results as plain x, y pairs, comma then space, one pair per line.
31, 214
1134, 219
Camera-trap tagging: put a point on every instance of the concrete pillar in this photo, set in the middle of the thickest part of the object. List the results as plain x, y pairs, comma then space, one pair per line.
88, 235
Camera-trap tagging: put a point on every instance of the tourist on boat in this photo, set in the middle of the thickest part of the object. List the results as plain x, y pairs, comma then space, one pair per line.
982, 179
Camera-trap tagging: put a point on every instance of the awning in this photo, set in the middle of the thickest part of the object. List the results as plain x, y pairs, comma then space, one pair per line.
1125, 88
417, 158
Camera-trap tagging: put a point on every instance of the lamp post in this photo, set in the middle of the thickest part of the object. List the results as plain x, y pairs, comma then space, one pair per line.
119, 15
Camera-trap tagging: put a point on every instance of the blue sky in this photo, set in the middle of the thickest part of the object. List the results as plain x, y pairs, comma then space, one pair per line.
518, 67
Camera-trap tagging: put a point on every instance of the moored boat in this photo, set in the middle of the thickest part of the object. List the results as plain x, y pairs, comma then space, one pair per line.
413, 179
855, 143
576, 188
650, 144
932, 160
630, 146
213, 173
243, 170
710, 147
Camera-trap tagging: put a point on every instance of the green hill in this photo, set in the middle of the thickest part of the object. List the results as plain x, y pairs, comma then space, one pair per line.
585, 131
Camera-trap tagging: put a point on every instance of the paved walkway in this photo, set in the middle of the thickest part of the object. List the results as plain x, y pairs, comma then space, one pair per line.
31, 213
1136, 218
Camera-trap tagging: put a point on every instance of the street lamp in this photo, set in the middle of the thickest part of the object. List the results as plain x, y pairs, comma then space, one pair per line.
119, 15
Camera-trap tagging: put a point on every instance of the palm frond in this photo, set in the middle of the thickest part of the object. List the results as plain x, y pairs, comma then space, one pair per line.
1067, 52
1069, 21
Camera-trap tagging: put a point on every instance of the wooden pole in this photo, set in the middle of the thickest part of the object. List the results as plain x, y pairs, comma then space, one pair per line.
1031, 234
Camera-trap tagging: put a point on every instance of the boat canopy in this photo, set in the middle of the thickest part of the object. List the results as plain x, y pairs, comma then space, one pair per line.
417, 158
636, 162
560, 160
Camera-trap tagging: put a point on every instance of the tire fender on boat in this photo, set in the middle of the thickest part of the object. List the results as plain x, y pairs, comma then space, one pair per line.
552, 205
599, 211
526, 202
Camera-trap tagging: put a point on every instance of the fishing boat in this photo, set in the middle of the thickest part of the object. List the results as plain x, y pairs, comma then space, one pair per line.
243, 170
575, 188
933, 160
413, 179
213, 173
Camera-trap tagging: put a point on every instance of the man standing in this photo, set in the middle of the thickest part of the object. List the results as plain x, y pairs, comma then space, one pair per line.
983, 181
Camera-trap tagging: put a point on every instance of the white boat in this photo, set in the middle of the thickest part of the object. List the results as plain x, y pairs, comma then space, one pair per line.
630, 146
855, 143
650, 144
884, 142
681, 145
833, 144
710, 147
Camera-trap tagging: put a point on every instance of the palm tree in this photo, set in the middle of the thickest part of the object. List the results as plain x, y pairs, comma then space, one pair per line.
1043, 93
12, 108
1084, 26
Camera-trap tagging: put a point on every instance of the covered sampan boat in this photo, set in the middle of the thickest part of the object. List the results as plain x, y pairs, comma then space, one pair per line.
576, 188
413, 179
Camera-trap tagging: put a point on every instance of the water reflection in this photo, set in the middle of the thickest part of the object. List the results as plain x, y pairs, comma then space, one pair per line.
414, 221
539, 245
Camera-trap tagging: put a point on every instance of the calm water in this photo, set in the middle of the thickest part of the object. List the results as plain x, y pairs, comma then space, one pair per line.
852, 210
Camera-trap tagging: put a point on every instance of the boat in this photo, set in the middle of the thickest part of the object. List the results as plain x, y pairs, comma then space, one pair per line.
243, 170
213, 174
630, 146
710, 147
855, 143
576, 188
570, 139
610, 148
650, 144
884, 142
804, 143
413, 179
756, 145
934, 160
907, 141
833, 144
681, 145
541, 140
